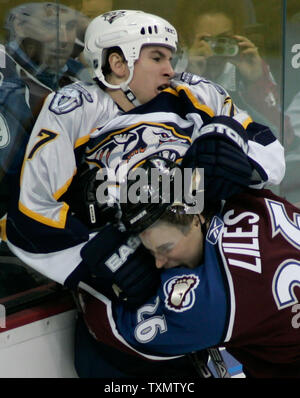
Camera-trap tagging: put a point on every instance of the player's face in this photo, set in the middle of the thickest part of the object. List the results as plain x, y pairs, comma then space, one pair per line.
54, 37
152, 72
171, 247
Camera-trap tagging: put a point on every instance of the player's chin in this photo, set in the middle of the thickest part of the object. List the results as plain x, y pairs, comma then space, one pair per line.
149, 97
172, 265
185, 265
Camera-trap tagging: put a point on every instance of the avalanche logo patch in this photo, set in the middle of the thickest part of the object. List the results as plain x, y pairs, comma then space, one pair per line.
214, 231
179, 292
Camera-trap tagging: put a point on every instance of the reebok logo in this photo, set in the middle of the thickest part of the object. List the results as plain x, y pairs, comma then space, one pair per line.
214, 231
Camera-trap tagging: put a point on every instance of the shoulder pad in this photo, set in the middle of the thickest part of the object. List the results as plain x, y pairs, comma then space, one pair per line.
196, 80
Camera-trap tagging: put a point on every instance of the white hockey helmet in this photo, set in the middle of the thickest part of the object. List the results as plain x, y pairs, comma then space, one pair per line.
129, 30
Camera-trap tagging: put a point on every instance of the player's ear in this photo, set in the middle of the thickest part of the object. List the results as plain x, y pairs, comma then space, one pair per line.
118, 65
198, 220
201, 218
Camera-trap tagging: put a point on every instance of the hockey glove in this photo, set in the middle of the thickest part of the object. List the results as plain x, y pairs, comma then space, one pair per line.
83, 201
221, 150
121, 267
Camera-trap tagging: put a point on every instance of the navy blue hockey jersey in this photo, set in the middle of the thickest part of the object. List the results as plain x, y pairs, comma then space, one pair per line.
244, 295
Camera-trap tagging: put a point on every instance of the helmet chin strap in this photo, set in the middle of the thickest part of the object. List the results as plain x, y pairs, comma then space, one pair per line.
127, 90
129, 94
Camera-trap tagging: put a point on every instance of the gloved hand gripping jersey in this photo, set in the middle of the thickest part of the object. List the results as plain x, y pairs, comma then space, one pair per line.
82, 199
121, 266
221, 149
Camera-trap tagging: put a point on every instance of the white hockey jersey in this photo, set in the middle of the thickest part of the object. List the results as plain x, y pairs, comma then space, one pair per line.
82, 123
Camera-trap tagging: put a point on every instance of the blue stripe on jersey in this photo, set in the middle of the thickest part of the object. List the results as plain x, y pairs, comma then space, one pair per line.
233, 366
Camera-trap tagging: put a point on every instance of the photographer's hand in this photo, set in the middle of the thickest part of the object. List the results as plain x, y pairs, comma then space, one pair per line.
248, 61
201, 47
199, 52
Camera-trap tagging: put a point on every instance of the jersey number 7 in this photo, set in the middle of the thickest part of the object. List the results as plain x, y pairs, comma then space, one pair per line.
45, 136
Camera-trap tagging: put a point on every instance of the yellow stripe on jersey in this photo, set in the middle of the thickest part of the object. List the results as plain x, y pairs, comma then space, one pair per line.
44, 220
94, 162
246, 123
82, 140
195, 101
3, 229
171, 91
64, 188
232, 110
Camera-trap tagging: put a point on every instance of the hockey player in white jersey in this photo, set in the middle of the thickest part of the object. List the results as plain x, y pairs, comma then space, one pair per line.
137, 107
133, 111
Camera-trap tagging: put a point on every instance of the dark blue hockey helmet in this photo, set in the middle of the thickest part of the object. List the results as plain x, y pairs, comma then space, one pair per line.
148, 199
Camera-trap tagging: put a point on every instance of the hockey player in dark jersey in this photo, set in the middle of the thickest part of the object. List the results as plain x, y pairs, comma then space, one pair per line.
230, 277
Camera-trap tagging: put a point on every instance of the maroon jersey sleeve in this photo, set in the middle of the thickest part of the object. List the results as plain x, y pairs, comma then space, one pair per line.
261, 256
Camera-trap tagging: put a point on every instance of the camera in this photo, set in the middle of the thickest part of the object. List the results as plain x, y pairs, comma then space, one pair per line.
223, 46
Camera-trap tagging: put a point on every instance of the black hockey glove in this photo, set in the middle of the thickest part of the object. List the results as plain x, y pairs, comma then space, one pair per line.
221, 150
83, 202
121, 267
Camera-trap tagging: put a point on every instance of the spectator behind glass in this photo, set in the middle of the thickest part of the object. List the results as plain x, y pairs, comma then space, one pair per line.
218, 48
41, 38
34, 62
291, 185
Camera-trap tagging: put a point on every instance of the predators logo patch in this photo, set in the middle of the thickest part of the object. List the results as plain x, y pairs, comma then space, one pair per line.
69, 98
179, 292
111, 16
